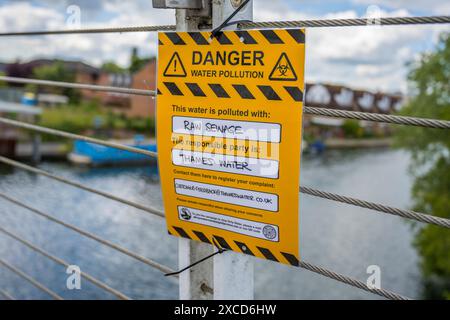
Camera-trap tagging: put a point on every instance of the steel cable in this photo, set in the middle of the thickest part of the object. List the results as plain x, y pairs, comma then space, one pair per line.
76, 137
342, 278
334, 275
421, 217
418, 216
350, 281
322, 111
31, 280
127, 252
60, 261
378, 117
16, 164
73, 85
393, 21
6, 295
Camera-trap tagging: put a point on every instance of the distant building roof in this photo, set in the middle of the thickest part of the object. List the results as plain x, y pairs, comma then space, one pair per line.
25, 69
78, 66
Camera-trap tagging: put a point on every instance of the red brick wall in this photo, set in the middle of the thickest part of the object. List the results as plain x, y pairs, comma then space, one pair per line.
142, 106
107, 99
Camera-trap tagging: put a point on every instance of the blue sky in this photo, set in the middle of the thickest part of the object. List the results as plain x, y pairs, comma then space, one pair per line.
368, 58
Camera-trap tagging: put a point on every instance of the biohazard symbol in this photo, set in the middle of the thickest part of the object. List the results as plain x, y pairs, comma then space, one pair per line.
175, 67
283, 70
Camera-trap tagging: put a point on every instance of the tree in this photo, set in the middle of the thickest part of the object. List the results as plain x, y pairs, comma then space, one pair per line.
112, 67
58, 72
2, 83
137, 63
429, 80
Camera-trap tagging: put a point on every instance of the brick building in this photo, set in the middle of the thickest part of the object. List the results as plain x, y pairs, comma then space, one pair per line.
316, 95
144, 106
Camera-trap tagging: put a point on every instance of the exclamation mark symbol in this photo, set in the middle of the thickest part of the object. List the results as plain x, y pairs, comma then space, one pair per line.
175, 65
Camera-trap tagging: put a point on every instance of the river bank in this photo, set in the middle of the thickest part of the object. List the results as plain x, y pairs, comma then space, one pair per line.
61, 150
357, 143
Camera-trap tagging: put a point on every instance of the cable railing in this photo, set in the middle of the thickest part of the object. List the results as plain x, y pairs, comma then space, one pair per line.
408, 214
305, 265
417, 216
30, 279
17, 164
87, 234
62, 262
318, 23
375, 117
310, 191
302, 264
6, 295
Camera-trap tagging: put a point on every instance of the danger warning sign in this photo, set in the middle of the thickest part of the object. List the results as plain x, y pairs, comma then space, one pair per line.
283, 70
175, 67
229, 119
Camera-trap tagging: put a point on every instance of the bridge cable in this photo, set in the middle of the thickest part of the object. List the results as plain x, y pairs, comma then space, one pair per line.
409, 214
127, 252
335, 276
60, 261
314, 23
421, 217
350, 281
37, 171
6, 295
31, 280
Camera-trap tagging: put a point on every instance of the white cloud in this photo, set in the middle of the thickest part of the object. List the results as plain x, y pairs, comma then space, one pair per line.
364, 57
439, 7
93, 48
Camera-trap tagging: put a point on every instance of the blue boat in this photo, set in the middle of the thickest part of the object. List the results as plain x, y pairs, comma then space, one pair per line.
86, 153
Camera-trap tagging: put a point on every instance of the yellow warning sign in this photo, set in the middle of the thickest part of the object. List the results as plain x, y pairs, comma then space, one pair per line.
229, 119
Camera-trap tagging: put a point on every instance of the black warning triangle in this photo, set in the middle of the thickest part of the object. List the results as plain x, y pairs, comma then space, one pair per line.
175, 68
283, 70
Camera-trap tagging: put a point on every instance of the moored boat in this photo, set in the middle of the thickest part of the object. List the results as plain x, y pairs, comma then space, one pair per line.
90, 154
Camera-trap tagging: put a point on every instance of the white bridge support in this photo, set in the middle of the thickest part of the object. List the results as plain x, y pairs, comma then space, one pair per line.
233, 276
228, 275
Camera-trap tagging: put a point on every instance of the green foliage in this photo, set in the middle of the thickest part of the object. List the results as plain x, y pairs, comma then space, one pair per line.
352, 129
142, 125
430, 149
71, 118
90, 116
112, 67
2, 83
57, 72
137, 63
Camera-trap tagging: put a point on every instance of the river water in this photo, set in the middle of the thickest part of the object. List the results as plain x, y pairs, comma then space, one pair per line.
340, 237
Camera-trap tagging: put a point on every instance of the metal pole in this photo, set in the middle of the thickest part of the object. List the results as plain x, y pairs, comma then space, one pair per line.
233, 272
197, 282
36, 145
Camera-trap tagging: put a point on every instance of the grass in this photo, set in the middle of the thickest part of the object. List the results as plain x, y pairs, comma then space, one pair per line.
90, 117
